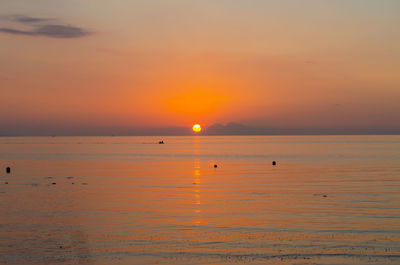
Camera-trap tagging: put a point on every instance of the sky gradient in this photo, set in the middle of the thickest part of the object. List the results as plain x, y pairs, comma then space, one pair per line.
100, 66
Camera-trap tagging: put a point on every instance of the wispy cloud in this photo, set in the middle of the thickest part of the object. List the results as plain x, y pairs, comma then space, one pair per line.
42, 27
54, 31
15, 31
28, 19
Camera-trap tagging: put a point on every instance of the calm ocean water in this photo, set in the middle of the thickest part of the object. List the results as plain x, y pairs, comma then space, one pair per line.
129, 200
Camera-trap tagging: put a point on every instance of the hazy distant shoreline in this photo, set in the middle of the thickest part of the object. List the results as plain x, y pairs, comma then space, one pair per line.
188, 135
213, 130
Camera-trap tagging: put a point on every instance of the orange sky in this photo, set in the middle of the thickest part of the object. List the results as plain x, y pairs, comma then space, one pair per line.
288, 64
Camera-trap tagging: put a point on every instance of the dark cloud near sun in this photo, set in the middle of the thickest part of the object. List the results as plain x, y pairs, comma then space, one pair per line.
45, 27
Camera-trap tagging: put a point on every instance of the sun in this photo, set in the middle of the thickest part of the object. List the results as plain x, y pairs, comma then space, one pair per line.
197, 128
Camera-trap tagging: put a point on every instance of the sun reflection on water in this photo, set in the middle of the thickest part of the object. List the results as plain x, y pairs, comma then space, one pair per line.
196, 195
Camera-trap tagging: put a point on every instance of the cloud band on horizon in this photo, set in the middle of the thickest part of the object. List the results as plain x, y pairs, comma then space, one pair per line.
45, 30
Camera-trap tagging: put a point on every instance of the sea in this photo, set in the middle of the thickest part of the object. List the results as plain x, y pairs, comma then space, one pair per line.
200, 200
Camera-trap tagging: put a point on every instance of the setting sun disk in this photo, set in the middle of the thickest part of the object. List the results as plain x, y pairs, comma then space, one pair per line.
197, 128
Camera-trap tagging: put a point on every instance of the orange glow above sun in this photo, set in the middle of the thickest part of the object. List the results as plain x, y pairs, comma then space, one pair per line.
197, 128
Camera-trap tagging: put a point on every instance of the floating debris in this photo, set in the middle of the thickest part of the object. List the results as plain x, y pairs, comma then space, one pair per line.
321, 195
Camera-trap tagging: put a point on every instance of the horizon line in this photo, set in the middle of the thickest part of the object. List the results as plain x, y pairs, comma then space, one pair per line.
203, 135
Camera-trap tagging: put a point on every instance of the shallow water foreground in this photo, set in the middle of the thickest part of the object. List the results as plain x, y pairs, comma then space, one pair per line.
129, 200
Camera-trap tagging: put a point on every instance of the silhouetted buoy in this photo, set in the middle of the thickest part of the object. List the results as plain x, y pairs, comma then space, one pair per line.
161, 142
53, 183
8, 170
274, 163
215, 166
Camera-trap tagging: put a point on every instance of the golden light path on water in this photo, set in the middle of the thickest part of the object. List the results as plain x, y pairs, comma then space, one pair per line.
129, 200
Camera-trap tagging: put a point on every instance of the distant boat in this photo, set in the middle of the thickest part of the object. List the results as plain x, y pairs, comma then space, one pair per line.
161, 142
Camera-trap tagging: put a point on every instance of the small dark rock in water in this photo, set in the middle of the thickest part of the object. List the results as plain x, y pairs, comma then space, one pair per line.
215, 166
54, 183
324, 196
72, 183
8, 170
6, 183
274, 163
60, 246
161, 142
